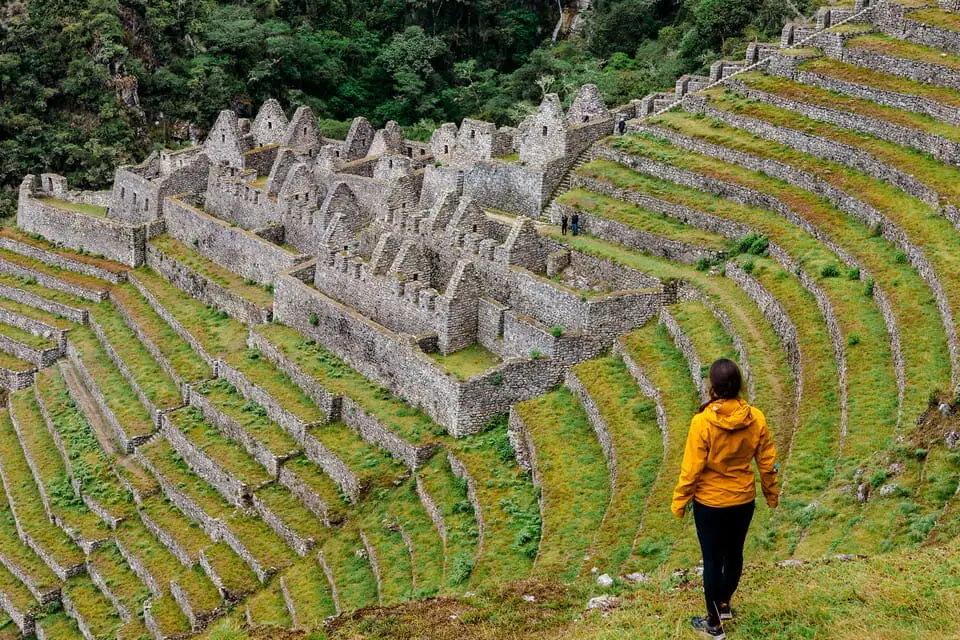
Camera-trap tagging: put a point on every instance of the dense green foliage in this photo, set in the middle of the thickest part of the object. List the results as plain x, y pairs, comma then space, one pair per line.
88, 84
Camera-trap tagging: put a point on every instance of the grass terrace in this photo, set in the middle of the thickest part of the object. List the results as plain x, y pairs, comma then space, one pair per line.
310, 591
122, 582
25, 337
16, 592
861, 75
469, 362
137, 540
75, 207
90, 466
267, 607
64, 275
710, 340
638, 218
405, 510
936, 18
93, 607
260, 370
169, 616
831, 100
36, 241
631, 420
880, 43
227, 454
449, 492
922, 224
212, 271
30, 286
352, 573
186, 532
372, 465
59, 625
15, 364
182, 358
152, 379
653, 350
285, 505
119, 395
39, 445
508, 501
575, 482
338, 378
19, 554
256, 536
249, 414
320, 483
237, 577
55, 321
394, 559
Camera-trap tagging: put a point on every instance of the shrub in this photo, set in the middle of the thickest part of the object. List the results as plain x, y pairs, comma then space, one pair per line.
748, 266
496, 380
878, 478
868, 288
556, 331
461, 568
703, 264
900, 257
754, 244
536, 354
314, 320
830, 271
853, 339
876, 230
853, 274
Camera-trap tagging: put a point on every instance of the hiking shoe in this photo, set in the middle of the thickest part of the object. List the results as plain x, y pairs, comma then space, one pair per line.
726, 613
707, 629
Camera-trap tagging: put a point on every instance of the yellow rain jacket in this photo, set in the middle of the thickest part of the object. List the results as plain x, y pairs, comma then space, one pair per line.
723, 439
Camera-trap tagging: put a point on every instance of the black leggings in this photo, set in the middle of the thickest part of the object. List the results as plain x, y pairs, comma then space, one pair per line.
722, 532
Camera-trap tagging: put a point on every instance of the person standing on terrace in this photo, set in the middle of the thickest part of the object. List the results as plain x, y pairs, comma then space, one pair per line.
725, 436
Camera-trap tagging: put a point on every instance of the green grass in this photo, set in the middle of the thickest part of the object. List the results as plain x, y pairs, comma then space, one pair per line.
267, 607
879, 43
75, 207
178, 353
638, 448
393, 560
99, 614
212, 271
937, 17
119, 395
227, 454
508, 501
320, 483
60, 625
121, 581
861, 75
283, 503
169, 616
184, 531
710, 340
19, 554
338, 378
152, 379
15, 364
405, 510
38, 443
371, 465
262, 543
250, 415
90, 466
347, 559
469, 362
262, 372
638, 218
831, 100
450, 494
653, 350
16, 592
574, 476
310, 592
238, 579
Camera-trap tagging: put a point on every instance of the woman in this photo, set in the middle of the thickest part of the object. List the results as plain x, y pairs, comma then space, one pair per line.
716, 474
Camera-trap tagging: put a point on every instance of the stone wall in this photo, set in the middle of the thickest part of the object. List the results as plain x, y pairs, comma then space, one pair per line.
236, 249
683, 343
904, 67
294, 540
50, 282
15, 380
109, 238
205, 289
232, 198
372, 430
599, 425
72, 314
307, 497
460, 470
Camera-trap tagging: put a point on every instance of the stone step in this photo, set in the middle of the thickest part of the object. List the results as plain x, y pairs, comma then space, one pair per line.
347, 565
307, 595
916, 62
113, 577
24, 345
18, 602
12, 239
91, 610
14, 264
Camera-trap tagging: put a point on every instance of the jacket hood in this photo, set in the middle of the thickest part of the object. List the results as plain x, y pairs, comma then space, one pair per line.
729, 414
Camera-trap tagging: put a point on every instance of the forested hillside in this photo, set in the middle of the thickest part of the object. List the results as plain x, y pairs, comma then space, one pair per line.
88, 84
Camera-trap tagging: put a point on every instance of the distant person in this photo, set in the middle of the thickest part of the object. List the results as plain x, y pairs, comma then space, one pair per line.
621, 126
724, 437
575, 223
563, 224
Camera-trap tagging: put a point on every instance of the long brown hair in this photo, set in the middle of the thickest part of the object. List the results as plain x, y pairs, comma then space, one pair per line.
725, 381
